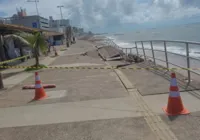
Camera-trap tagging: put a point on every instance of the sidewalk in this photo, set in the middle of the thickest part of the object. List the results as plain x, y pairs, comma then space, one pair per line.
94, 104
86, 104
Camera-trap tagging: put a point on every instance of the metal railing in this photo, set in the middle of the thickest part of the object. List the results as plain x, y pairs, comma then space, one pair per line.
142, 52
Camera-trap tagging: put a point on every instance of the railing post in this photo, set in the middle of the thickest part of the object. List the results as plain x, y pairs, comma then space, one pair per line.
136, 48
166, 56
143, 50
113, 44
126, 53
116, 45
188, 62
152, 49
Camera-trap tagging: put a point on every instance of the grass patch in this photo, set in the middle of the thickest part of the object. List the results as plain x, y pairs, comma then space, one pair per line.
63, 49
54, 56
33, 68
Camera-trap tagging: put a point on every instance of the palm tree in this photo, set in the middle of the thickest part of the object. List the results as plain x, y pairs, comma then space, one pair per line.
37, 43
2, 51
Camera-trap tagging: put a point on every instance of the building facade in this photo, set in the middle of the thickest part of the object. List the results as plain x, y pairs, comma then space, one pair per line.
5, 21
32, 21
58, 25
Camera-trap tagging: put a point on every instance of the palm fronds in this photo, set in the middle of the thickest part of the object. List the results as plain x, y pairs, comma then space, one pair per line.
37, 42
17, 38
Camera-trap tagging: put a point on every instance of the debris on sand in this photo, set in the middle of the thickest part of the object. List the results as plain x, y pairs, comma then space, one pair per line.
134, 58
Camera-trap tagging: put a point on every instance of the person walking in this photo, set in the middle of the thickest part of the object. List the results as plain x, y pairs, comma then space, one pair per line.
49, 45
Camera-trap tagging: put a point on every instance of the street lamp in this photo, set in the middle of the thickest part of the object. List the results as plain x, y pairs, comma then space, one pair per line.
61, 6
62, 24
36, 1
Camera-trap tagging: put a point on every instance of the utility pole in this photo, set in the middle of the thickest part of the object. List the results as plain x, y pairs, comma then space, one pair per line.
64, 28
36, 1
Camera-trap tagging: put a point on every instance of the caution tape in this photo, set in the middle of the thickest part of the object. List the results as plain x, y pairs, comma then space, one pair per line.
12, 60
93, 68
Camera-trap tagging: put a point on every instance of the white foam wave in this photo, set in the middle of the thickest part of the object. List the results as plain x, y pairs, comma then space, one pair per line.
111, 37
125, 44
120, 43
176, 50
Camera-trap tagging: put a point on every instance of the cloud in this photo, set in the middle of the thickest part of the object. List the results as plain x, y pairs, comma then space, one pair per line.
98, 13
106, 13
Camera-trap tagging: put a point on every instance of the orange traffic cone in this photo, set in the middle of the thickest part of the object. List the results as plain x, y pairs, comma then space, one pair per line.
39, 90
175, 105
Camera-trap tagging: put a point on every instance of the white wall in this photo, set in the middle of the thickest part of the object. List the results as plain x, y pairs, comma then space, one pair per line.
29, 20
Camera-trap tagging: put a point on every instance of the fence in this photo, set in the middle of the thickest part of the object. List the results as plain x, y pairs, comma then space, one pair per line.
157, 51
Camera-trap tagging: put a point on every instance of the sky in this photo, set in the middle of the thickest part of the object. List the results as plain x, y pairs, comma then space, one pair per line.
112, 15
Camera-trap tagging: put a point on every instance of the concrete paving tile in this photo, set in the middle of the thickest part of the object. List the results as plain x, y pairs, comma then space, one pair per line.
68, 112
185, 127
80, 85
112, 129
156, 102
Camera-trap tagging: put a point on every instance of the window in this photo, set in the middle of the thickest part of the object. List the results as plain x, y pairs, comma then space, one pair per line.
44, 22
45, 27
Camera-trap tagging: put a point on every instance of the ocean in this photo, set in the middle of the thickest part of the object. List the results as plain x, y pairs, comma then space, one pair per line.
190, 32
